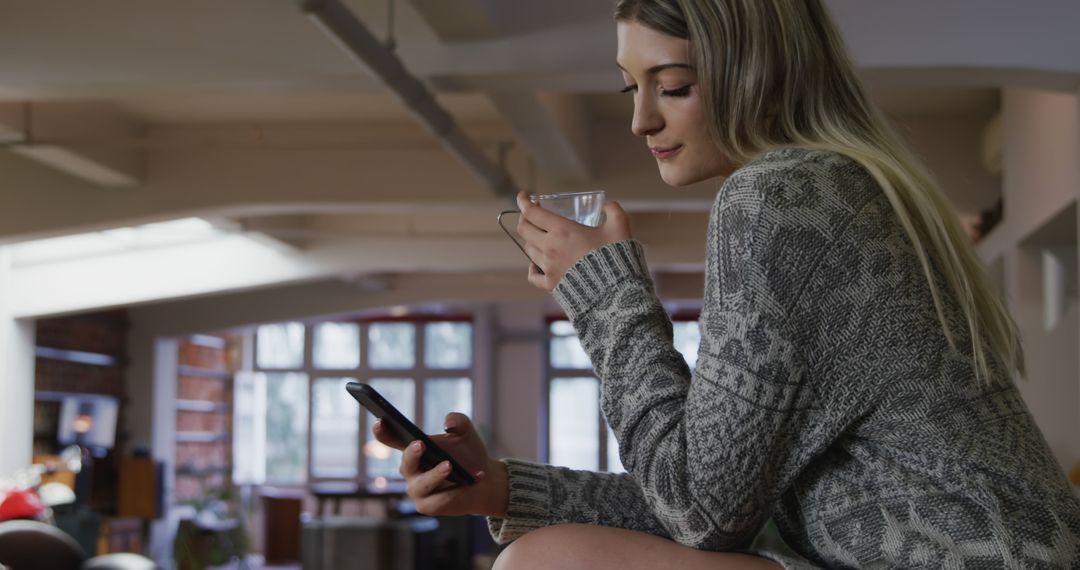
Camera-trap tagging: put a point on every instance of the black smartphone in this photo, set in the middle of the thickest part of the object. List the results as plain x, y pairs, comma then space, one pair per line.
407, 432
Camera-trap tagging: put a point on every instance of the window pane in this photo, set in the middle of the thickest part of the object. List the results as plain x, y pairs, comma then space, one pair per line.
335, 426
562, 328
337, 346
566, 351
442, 396
614, 464
448, 345
574, 422
249, 428
381, 460
391, 345
280, 345
286, 427
687, 338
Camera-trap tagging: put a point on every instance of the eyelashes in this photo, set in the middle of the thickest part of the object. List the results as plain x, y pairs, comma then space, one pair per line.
679, 92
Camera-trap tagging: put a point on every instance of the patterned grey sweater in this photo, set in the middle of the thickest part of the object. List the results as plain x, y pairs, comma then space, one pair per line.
825, 396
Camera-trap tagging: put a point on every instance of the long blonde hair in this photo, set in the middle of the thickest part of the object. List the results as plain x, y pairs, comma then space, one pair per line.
776, 73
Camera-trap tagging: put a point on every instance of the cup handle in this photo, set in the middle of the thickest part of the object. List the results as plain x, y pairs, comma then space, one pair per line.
513, 239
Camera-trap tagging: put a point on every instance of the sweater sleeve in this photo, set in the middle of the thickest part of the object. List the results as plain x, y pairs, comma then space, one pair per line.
712, 452
542, 495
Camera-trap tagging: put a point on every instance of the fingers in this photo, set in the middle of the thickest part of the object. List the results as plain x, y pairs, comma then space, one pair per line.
540, 280
428, 482
529, 231
535, 215
535, 254
386, 437
410, 459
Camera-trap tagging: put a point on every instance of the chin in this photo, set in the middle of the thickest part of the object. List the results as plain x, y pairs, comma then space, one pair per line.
678, 178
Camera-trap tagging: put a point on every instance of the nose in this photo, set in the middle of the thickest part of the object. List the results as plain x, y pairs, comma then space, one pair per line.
647, 118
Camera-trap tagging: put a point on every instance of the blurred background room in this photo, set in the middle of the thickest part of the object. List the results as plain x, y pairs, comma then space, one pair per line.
214, 214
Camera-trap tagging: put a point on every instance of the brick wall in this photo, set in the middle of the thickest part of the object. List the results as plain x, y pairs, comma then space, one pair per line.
101, 334
204, 468
61, 376
98, 333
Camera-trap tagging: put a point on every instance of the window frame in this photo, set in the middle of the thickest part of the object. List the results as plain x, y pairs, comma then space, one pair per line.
551, 372
419, 373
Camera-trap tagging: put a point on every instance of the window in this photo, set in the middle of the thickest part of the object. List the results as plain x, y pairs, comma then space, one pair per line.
295, 422
578, 436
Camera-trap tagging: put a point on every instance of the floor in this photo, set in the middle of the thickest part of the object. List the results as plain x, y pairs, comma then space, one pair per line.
255, 562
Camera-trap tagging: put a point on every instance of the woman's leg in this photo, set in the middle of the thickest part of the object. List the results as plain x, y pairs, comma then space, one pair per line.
581, 546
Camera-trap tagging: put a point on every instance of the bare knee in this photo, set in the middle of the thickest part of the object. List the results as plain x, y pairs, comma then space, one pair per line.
535, 550
577, 546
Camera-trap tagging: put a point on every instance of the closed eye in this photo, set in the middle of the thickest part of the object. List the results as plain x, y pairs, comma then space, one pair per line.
680, 92
628, 89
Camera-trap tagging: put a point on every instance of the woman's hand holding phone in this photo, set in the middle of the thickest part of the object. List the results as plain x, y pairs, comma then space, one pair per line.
431, 491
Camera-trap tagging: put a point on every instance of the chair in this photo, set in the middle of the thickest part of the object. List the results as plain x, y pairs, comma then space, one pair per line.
120, 561
30, 545
26, 545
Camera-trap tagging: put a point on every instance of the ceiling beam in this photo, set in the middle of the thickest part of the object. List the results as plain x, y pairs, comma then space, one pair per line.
461, 20
66, 136
554, 128
379, 59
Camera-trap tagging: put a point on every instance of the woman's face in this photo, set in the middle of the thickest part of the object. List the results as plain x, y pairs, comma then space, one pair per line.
668, 110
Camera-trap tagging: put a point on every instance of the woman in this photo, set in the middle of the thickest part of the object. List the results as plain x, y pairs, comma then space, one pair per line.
854, 375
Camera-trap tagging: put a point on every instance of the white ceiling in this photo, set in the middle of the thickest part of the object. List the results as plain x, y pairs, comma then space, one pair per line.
205, 61
243, 109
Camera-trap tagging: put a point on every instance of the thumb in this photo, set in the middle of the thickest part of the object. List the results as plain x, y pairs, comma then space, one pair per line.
617, 219
457, 423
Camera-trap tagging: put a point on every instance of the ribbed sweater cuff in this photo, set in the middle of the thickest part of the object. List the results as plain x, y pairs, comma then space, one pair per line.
529, 504
594, 275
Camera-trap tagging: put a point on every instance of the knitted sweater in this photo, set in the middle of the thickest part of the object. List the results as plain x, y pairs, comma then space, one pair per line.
825, 396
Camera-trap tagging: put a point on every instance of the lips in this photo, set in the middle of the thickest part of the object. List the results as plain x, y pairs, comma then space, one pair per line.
661, 152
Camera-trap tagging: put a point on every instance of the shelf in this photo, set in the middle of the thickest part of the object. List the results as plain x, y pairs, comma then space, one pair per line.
77, 357
201, 406
201, 437
183, 370
201, 471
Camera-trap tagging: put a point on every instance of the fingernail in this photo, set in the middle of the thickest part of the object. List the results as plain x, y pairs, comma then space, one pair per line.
416, 445
444, 467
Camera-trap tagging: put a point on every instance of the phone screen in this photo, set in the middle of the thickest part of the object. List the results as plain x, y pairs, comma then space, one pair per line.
407, 431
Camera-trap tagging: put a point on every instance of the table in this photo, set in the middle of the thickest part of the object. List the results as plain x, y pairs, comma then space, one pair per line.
390, 493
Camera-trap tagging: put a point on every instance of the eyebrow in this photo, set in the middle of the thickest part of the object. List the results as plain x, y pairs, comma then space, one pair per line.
658, 68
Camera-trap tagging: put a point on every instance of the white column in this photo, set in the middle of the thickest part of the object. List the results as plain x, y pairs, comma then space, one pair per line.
16, 379
163, 530
1076, 275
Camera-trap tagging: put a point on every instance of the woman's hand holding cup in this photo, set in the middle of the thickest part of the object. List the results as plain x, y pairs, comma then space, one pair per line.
555, 243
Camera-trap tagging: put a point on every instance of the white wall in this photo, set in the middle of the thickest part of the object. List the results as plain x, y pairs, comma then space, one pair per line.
519, 385
1041, 169
1041, 165
16, 381
950, 146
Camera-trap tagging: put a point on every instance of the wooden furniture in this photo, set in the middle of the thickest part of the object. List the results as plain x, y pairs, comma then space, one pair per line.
138, 488
281, 513
335, 492
121, 534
